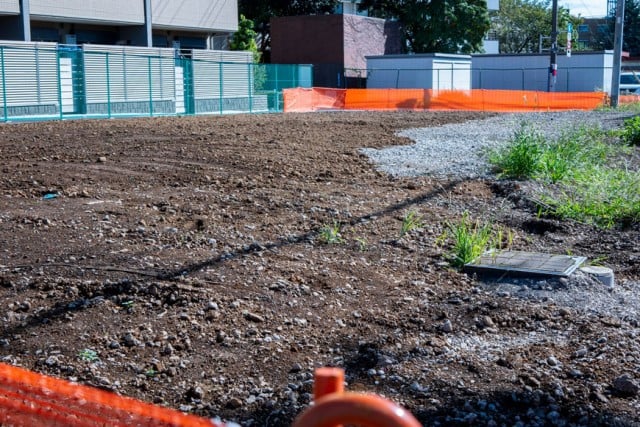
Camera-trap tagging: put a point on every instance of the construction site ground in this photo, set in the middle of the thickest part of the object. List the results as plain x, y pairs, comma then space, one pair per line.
184, 261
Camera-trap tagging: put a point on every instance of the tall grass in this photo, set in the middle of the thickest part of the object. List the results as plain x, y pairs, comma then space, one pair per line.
585, 169
522, 158
472, 239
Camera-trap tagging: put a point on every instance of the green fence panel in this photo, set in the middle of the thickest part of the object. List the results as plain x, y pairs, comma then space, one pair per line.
60, 81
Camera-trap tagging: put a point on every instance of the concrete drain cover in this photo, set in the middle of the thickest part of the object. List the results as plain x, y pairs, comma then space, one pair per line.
526, 263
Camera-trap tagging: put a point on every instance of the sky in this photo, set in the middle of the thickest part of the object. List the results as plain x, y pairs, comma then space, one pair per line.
586, 8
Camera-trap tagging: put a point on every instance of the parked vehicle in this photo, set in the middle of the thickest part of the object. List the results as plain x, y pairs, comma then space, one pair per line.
630, 82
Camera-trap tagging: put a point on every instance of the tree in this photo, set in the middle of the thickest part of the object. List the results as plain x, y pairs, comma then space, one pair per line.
448, 26
520, 23
245, 38
261, 12
603, 37
631, 38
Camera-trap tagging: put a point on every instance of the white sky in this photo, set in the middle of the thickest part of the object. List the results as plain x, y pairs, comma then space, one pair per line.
586, 8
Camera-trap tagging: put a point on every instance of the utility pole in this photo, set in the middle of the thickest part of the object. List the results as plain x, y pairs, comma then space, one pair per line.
617, 53
553, 67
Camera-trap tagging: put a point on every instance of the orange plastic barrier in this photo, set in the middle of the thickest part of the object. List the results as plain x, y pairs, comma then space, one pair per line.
28, 399
333, 407
302, 100
305, 100
628, 99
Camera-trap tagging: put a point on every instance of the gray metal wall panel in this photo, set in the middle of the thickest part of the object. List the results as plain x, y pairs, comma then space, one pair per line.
131, 69
213, 15
112, 11
30, 74
235, 69
9, 7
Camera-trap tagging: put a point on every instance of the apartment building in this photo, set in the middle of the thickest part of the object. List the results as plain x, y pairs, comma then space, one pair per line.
186, 24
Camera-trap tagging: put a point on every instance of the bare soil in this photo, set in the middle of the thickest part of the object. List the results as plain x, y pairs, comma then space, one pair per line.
187, 253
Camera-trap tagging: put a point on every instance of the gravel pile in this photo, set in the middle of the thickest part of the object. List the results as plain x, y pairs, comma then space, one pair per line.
459, 150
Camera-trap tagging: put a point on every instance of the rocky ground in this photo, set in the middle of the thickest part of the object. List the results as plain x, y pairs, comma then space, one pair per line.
181, 261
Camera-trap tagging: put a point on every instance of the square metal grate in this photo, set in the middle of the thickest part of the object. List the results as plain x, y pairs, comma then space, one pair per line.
526, 263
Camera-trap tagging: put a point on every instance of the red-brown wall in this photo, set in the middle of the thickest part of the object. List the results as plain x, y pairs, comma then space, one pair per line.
307, 40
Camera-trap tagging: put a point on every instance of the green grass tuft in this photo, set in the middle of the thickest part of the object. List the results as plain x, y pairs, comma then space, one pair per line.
585, 169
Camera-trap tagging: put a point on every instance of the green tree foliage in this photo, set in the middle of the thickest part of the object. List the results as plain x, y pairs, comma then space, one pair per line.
631, 37
448, 26
261, 12
245, 38
520, 23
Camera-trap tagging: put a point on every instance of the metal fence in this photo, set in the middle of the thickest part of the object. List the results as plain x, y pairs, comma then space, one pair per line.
50, 81
571, 79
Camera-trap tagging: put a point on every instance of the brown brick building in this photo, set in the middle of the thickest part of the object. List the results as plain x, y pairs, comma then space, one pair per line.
335, 44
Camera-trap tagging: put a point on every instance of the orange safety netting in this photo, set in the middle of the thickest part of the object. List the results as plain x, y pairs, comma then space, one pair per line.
316, 99
628, 99
31, 399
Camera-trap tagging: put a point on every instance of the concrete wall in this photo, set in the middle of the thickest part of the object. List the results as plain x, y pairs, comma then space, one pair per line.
92, 11
582, 72
220, 15
9, 7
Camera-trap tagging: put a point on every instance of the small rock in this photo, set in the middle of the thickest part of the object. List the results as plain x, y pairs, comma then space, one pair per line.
447, 327
487, 322
102, 159
296, 367
234, 403
564, 312
532, 381
130, 340
253, 317
580, 352
212, 305
220, 336
625, 385
195, 393
552, 361
599, 397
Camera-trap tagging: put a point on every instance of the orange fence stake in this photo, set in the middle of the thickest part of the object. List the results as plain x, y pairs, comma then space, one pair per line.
333, 407
327, 381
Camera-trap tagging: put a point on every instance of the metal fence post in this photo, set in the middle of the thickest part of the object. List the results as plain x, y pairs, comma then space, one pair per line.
108, 85
4, 84
221, 85
59, 82
150, 89
275, 90
249, 68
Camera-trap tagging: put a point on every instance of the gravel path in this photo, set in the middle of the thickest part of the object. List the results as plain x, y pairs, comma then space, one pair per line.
459, 149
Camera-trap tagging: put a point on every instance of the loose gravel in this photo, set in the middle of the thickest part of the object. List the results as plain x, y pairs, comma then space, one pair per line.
459, 150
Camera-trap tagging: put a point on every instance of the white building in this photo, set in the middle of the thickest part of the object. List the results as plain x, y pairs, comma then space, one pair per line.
161, 23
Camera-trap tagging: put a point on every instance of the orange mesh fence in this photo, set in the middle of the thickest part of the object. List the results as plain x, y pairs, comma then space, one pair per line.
31, 399
304, 100
628, 99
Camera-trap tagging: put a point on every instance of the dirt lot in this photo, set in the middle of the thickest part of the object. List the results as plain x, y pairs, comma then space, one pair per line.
179, 261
